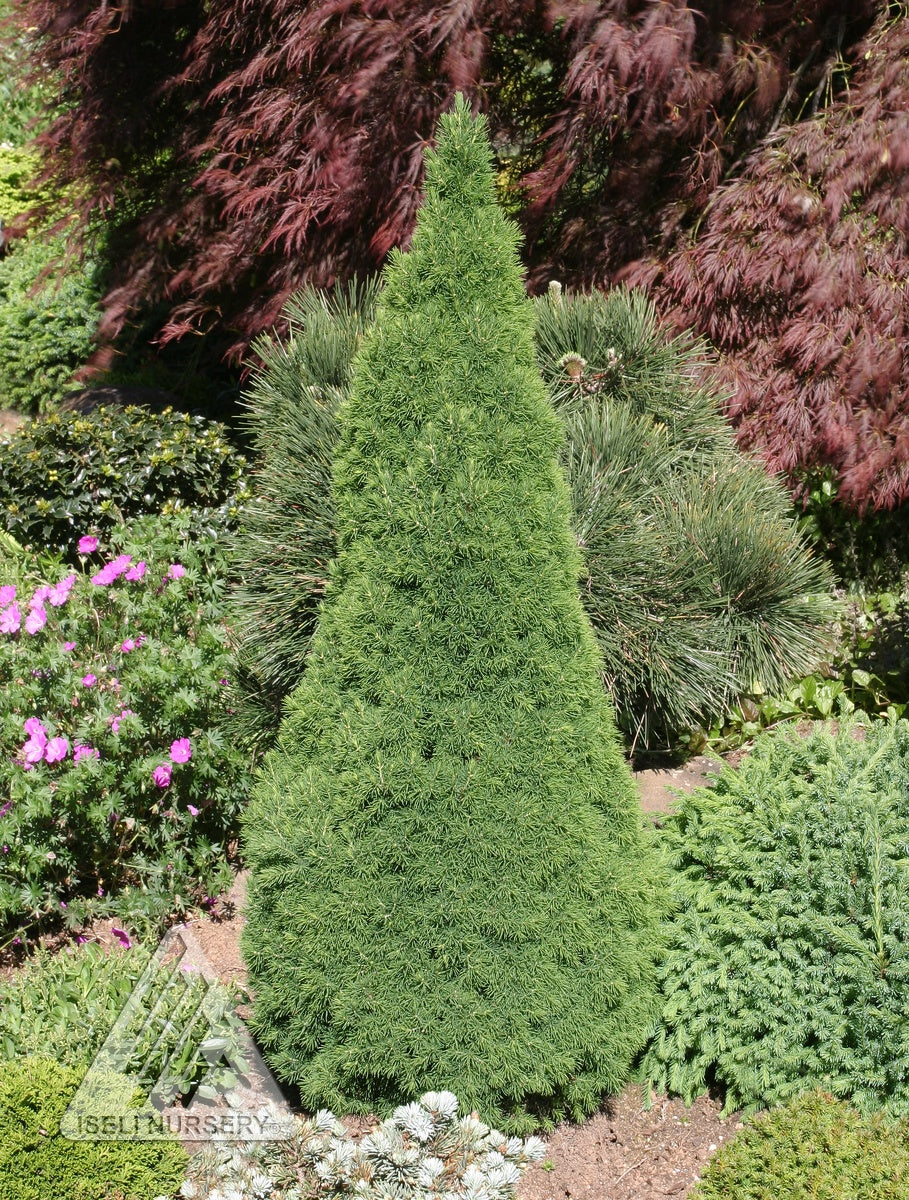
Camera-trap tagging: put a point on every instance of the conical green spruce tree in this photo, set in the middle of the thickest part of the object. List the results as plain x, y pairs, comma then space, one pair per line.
450, 883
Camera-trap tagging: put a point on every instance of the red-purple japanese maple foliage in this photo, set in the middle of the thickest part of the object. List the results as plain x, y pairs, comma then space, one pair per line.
247, 147
798, 277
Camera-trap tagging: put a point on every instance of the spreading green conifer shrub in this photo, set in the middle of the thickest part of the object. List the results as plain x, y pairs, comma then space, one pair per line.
71, 473
37, 1162
812, 1148
697, 581
450, 883
788, 965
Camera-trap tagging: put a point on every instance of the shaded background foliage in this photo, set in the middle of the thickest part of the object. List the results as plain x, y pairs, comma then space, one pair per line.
19, 105
730, 155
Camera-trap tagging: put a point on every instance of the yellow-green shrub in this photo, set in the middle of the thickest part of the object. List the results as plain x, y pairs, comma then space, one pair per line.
38, 1163
813, 1148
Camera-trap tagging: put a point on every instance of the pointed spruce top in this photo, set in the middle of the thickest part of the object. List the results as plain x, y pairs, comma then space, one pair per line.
460, 171
449, 446
463, 244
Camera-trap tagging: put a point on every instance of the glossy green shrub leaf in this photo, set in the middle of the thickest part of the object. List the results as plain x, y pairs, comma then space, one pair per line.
68, 1000
69, 473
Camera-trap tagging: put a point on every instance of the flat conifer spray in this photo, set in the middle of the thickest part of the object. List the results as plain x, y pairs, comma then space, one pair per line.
450, 884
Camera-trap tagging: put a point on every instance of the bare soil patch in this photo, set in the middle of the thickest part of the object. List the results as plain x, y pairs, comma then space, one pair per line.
631, 1152
10, 420
658, 788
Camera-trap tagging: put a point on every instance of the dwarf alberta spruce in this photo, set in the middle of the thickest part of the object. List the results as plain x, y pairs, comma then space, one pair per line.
450, 884
117, 783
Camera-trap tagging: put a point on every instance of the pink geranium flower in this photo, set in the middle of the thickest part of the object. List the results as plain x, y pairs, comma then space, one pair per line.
37, 600
192, 810
33, 750
136, 572
181, 750
10, 619
80, 752
7, 594
87, 545
59, 593
57, 749
35, 621
175, 571
35, 729
114, 721
69, 646
89, 679
162, 774
122, 937
128, 645
112, 570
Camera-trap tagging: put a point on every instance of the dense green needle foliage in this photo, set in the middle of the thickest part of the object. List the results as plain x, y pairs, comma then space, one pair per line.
698, 584
450, 883
789, 959
813, 1148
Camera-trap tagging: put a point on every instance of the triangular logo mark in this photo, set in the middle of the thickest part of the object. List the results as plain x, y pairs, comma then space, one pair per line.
178, 1061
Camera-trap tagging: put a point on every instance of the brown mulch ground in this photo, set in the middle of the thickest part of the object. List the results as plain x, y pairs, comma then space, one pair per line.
9, 422
627, 1151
